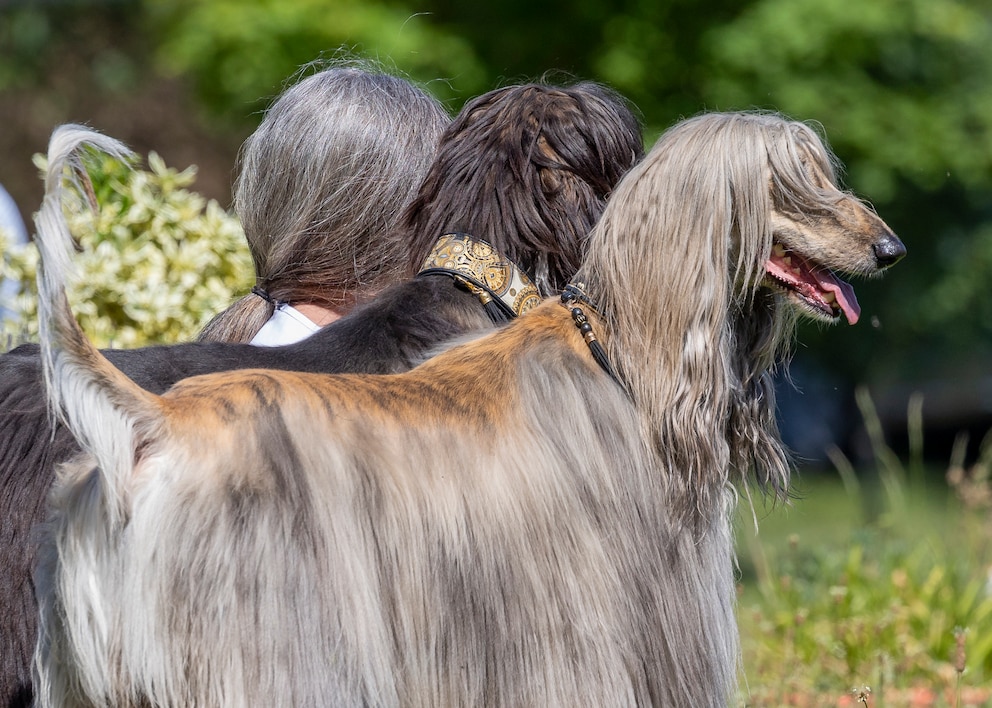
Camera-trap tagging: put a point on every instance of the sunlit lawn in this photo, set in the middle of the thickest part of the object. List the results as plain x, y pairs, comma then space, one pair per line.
881, 584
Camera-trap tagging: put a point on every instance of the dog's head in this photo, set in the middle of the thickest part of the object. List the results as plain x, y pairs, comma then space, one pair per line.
730, 226
527, 169
743, 211
819, 230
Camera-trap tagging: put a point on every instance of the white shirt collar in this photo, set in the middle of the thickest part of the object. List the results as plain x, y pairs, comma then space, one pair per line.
286, 326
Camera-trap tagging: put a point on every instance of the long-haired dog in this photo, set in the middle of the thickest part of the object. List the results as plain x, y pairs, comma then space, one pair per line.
526, 169
540, 516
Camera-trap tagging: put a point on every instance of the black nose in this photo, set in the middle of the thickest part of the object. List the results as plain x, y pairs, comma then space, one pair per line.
888, 250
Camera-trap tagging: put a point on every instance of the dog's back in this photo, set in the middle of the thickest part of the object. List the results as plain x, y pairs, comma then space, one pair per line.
427, 538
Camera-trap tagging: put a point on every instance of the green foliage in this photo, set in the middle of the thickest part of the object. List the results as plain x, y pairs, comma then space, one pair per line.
962, 293
882, 613
241, 52
902, 603
901, 86
156, 259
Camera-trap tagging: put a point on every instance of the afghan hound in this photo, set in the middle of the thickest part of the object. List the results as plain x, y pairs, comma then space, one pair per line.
539, 516
524, 169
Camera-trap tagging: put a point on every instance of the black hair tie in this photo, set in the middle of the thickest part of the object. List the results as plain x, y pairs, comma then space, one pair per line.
264, 294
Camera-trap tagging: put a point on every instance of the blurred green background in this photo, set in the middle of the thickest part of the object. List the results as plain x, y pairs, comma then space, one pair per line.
902, 88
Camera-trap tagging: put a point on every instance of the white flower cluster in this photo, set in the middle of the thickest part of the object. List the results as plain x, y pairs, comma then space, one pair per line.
157, 260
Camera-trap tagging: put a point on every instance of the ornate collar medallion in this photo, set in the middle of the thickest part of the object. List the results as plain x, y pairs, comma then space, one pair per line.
484, 271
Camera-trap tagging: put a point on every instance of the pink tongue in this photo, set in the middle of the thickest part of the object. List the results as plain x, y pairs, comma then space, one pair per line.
842, 291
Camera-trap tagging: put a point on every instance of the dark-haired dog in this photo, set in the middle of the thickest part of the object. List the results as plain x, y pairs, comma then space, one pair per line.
524, 170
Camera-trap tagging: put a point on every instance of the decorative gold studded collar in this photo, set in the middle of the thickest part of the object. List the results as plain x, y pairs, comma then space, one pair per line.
483, 271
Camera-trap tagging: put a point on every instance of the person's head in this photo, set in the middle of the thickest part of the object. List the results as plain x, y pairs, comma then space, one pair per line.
320, 185
528, 170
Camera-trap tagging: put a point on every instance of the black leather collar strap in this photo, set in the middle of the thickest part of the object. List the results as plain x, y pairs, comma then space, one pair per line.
572, 297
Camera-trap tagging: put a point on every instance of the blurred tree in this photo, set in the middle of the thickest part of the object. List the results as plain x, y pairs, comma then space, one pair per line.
240, 52
901, 85
91, 61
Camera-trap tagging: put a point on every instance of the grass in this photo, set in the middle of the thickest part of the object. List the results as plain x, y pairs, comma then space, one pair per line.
872, 588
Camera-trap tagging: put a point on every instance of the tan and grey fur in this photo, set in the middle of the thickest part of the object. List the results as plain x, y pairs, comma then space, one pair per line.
565, 148
502, 525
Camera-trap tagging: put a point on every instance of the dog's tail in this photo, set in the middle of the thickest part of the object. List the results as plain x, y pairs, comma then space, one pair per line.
106, 411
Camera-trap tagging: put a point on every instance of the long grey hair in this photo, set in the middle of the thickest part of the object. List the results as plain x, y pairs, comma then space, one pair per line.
320, 185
